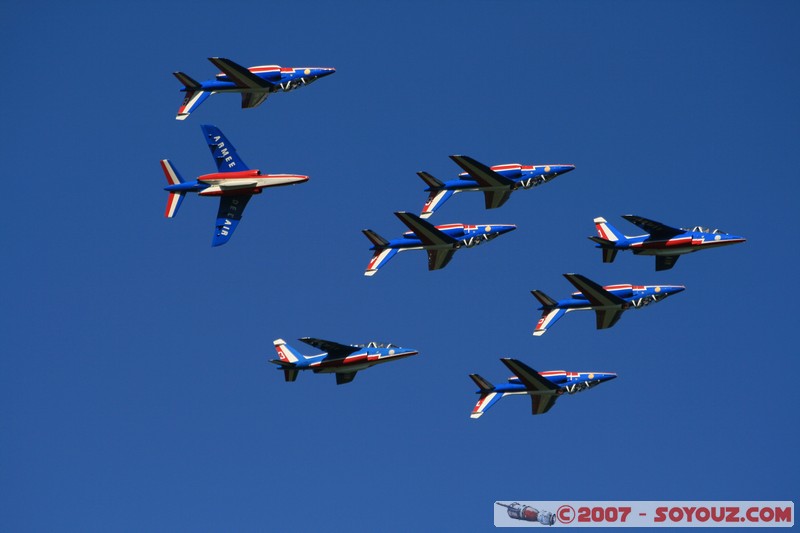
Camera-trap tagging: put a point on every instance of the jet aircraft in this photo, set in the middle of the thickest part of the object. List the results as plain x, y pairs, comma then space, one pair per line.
666, 243
608, 302
544, 388
340, 359
234, 182
441, 242
254, 83
496, 183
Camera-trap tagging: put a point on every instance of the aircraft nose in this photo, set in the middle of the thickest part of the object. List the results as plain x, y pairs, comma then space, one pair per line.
505, 228
325, 71
562, 169
675, 289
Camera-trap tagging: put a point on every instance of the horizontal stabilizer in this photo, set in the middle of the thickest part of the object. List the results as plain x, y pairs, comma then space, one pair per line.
430, 180
481, 382
545, 300
186, 80
609, 250
374, 238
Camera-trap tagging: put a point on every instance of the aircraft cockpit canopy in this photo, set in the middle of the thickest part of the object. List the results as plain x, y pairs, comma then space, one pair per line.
374, 344
702, 229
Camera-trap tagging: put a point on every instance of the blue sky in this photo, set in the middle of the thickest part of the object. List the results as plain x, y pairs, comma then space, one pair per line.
134, 383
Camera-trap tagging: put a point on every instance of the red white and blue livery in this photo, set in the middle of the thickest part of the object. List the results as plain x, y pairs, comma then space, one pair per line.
234, 183
607, 302
496, 183
344, 360
255, 84
544, 388
440, 242
664, 242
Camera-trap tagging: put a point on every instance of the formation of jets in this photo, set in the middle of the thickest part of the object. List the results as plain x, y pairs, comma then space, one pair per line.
235, 183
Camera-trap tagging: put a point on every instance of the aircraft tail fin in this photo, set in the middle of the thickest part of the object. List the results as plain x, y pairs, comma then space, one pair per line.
379, 258
549, 317
175, 198
607, 231
607, 246
435, 200
286, 353
544, 299
195, 95
488, 397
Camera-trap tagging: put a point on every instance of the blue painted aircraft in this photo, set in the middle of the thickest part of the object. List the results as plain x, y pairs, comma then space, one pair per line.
607, 302
496, 183
544, 388
441, 242
254, 83
340, 359
234, 182
666, 243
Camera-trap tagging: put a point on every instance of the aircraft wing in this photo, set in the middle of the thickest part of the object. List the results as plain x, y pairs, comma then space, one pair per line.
345, 377
665, 262
253, 99
425, 231
530, 377
542, 404
222, 150
495, 199
607, 317
228, 217
239, 75
597, 295
439, 257
657, 230
334, 349
485, 176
